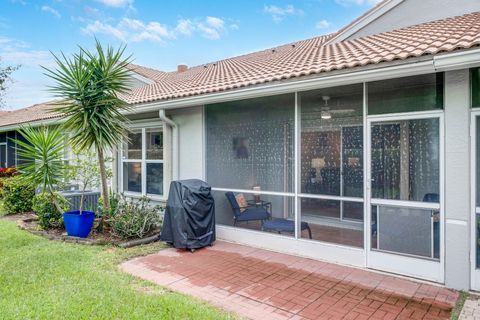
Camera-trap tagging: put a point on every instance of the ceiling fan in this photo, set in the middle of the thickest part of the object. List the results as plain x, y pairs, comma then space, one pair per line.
326, 112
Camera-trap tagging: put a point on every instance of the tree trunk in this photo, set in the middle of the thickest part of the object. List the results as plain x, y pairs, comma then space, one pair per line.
103, 177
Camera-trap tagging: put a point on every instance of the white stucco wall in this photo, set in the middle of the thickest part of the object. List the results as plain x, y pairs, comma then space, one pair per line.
191, 144
418, 11
457, 179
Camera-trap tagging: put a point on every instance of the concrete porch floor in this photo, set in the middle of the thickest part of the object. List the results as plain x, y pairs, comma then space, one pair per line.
261, 284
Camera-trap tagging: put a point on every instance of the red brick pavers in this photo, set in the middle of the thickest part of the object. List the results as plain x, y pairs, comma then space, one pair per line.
260, 284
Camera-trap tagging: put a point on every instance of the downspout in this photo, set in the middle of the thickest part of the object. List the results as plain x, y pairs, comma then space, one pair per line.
175, 145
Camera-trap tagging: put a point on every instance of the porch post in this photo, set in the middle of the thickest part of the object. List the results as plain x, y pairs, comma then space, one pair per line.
457, 180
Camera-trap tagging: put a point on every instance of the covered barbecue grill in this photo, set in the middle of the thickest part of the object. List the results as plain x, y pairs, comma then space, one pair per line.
189, 220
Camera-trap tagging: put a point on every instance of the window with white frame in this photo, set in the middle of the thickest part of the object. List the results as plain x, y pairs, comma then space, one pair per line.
142, 162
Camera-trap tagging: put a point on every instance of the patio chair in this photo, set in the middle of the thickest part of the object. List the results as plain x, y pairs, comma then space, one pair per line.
285, 225
251, 212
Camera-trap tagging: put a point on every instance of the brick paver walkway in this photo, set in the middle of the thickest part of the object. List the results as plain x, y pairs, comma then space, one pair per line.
471, 309
260, 284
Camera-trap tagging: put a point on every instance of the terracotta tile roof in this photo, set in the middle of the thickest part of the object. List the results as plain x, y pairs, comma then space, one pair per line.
34, 113
312, 56
149, 73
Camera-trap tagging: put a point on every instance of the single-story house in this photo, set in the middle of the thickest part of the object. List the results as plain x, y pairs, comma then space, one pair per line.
363, 146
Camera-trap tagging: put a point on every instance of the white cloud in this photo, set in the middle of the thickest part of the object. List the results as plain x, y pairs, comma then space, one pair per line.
234, 26
98, 27
159, 30
51, 11
117, 3
136, 30
280, 13
132, 24
347, 3
18, 52
215, 22
185, 27
32, 58
209, 33
323, 24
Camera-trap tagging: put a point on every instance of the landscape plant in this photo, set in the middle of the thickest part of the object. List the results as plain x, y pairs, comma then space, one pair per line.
6, 173
135, 218
5, 78
42, 159
84, 169
48, 215
17, 194
89, 84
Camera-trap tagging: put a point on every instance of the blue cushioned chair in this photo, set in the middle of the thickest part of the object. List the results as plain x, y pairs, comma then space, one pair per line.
251, 213
284, 225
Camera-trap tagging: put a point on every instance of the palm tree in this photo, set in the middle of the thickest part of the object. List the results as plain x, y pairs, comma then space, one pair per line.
89, 85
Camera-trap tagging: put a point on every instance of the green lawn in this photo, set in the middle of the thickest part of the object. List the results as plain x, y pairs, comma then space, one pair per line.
41, 279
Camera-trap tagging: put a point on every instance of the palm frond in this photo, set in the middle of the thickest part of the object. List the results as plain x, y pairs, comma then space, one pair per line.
89, 84
41, 156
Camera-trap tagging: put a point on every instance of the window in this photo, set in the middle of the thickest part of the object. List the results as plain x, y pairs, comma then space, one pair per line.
142, 162
408, 94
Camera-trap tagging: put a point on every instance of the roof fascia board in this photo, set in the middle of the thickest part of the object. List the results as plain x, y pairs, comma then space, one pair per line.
38, 123
389, 72
369, 17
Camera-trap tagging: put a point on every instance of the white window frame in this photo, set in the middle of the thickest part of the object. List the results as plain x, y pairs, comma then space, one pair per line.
143, 161
475, 272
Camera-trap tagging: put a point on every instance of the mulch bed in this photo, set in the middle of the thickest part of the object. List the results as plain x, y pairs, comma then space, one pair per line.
28, 222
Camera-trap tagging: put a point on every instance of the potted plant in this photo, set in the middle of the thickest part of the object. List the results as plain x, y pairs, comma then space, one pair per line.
84, 171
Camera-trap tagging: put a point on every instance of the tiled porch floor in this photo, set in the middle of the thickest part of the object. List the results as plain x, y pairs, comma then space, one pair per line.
260, 284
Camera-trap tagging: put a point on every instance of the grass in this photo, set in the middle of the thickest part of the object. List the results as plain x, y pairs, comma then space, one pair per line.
459, 305
42, 279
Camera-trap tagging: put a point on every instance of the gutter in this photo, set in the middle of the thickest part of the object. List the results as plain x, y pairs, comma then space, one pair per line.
175, 143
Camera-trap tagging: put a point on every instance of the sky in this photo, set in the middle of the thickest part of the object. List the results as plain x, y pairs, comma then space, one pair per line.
159, 34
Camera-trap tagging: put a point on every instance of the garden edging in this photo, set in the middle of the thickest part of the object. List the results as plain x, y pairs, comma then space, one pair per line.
25, 223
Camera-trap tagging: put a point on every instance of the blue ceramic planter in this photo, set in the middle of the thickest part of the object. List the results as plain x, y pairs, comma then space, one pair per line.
78, 225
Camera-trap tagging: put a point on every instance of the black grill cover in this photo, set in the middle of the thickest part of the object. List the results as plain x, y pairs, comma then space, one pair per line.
189, 220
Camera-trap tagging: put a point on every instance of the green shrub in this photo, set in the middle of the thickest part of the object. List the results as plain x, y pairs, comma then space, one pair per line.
17, 195
48, 214
2, 180
134, 218
114, 200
